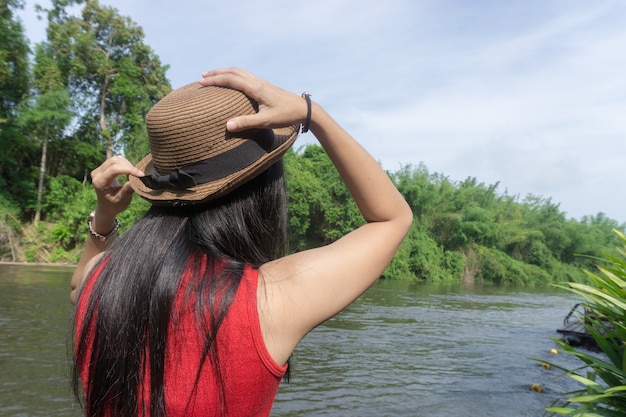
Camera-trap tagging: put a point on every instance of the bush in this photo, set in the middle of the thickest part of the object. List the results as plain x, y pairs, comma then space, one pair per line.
61, 196
9, 227
604, 378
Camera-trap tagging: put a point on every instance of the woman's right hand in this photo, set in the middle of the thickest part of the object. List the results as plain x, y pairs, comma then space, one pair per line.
113, 198
277, 107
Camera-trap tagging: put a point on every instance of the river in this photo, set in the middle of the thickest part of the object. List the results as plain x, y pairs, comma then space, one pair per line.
402, 349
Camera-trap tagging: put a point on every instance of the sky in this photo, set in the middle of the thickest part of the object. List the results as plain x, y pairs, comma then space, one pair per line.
526, 94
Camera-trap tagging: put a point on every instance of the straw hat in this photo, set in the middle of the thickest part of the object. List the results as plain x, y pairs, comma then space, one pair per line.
193, 157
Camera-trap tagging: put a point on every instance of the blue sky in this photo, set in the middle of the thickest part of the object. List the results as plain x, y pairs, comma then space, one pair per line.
527, 93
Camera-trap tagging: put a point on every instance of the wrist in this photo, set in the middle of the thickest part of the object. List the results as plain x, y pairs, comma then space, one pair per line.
306, 125
102, 227
319, 118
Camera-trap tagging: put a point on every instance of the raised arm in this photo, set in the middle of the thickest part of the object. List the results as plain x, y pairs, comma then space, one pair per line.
113, 198
302, 290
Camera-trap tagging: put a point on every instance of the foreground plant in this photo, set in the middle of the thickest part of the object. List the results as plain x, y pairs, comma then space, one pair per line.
604, 381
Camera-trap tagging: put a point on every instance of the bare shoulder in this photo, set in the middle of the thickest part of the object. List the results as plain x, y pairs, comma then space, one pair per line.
285, 316
302, 290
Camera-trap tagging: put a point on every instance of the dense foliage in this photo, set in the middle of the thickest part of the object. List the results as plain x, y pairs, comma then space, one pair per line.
84, 94
14, 85
603, 377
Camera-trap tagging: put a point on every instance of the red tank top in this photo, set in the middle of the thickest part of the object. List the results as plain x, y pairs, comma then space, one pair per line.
250, 376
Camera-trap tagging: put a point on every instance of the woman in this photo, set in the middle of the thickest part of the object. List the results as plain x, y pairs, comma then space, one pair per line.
197, 309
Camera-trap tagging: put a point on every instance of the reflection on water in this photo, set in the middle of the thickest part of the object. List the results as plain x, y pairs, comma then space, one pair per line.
34, 312
401, 350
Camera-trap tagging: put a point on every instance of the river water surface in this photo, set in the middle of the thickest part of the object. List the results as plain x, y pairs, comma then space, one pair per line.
400, 350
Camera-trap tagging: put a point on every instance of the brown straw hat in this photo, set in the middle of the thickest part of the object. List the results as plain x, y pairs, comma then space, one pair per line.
193, 157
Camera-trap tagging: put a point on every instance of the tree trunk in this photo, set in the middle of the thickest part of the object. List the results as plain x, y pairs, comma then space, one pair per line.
103, 123
13, 255
103, 96
42, 175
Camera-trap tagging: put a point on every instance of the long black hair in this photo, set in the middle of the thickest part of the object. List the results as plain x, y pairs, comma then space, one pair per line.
132, 299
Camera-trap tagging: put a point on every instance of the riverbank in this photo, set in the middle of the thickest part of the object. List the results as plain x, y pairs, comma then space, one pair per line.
37, 264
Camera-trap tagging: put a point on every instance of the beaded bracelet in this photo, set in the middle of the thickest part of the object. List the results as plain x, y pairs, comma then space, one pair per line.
101, 238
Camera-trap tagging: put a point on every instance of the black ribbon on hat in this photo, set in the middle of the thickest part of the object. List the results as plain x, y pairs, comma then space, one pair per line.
214, 168
178, 179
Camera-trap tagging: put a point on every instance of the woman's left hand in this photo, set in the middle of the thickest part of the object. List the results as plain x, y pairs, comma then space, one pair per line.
277, 107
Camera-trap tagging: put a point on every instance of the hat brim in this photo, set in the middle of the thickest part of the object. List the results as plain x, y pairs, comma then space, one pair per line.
285, 137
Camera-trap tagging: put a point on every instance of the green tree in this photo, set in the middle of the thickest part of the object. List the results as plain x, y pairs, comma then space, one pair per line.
47, 118
321, 209
304, 190
494, 238
111, 73
415, 185
14, 76
67, 152
15, 173
45, 115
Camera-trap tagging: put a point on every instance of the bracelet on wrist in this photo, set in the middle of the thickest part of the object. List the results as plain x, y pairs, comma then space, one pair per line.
307, 123
100, 237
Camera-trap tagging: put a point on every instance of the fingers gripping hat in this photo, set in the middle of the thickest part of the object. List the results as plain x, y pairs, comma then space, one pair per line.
193, 157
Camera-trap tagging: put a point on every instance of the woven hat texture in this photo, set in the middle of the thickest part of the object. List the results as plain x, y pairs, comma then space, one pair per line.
187, 134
